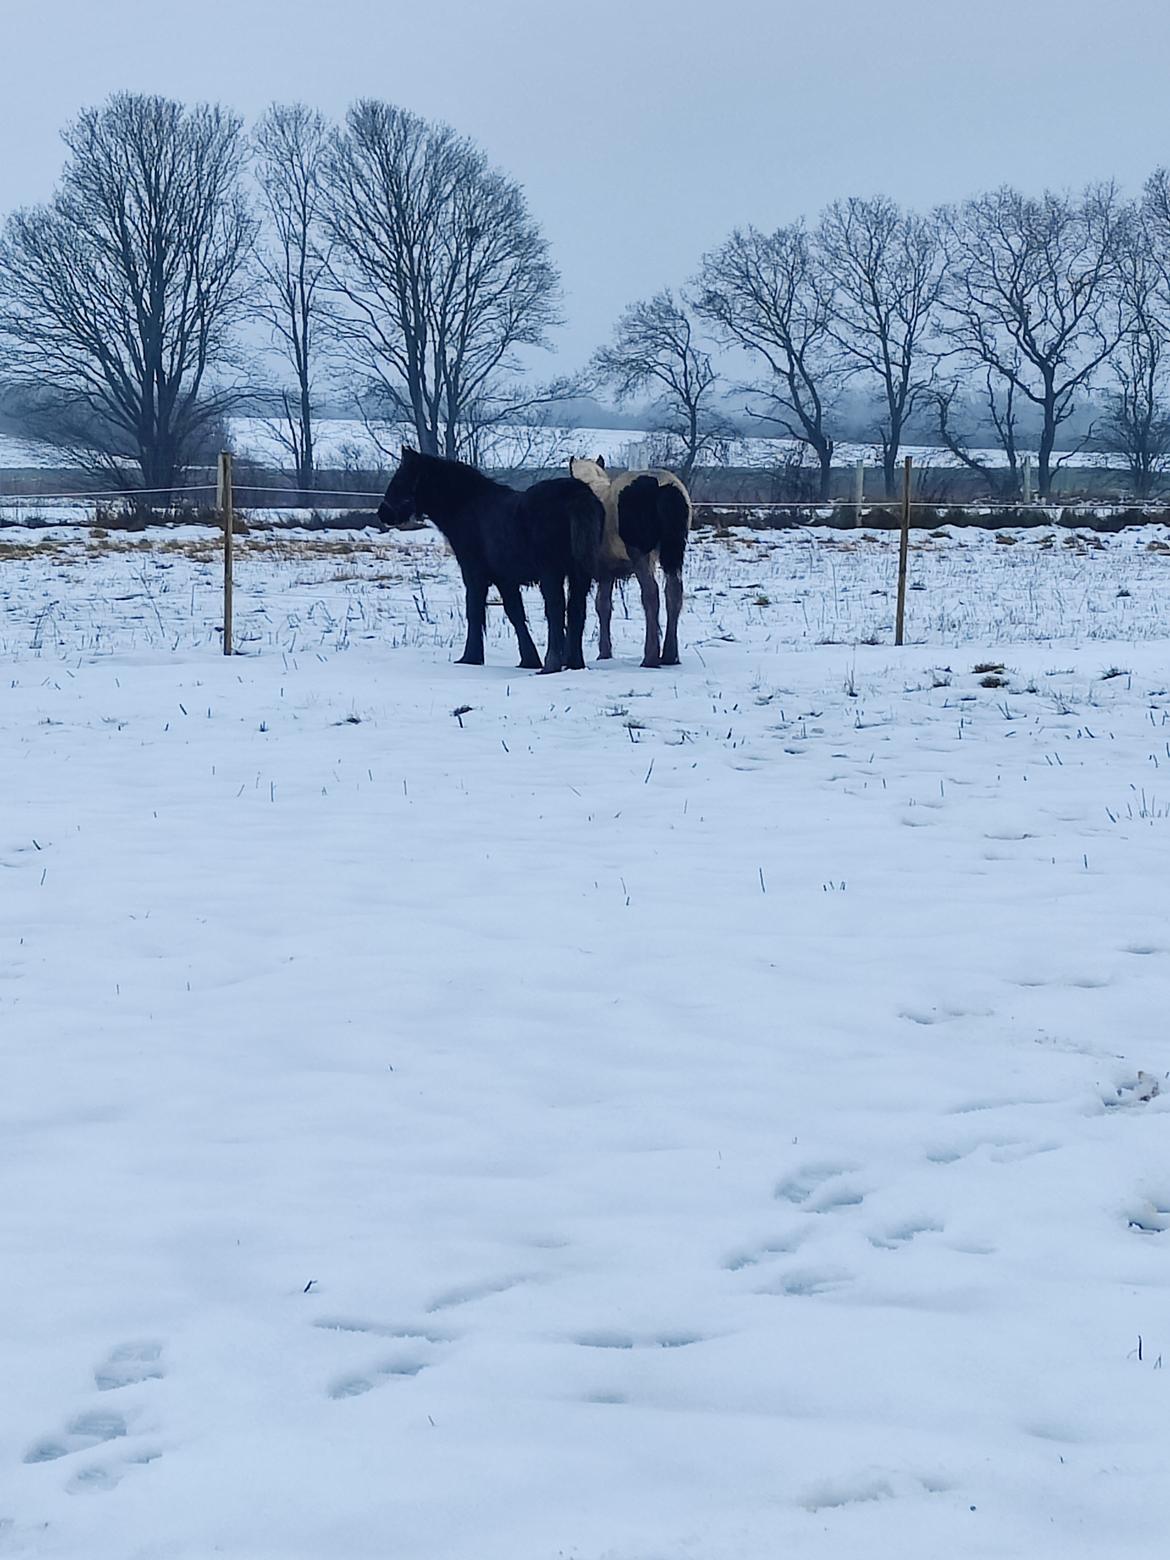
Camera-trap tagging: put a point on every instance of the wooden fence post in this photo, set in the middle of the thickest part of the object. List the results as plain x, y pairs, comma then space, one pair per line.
226, 509
903, 553
858, 490
1027, 479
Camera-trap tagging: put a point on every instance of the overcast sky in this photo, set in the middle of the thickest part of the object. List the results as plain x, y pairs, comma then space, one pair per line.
644, 130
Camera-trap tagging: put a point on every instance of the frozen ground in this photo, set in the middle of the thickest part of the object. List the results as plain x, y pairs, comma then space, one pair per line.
707, 1113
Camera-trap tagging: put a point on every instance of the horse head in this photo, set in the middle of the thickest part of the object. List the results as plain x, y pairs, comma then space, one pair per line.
400, 502
592, 473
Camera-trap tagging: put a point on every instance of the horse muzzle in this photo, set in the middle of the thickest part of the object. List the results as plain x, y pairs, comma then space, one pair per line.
393, 514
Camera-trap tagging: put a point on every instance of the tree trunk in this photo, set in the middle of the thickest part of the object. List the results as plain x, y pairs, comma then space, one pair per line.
306, 465
157, 462
692, 449
891, 475
1044, 463
824, 483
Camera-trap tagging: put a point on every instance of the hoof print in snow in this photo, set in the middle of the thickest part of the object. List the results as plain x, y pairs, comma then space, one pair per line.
902, 1234
830, 1497
836, 1197
997, 1147
810, 1188
411, 1360
83, 1432
836, 1493
465, 1294
623, 1340
752, 1256
347, 1324
1152, 1218
357, 1385
1136, 1091
101, 1476
809, 1281
95, 1478
129, 1364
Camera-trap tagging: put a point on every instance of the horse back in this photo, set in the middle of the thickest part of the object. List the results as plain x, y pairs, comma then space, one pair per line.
650, 513
566, 521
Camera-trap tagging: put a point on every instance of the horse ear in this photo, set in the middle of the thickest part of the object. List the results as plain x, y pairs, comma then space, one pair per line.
601, 461
408, 453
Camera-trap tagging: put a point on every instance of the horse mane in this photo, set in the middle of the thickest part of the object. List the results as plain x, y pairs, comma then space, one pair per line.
460, 479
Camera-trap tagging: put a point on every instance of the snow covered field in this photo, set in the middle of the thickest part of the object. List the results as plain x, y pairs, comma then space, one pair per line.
703, 1113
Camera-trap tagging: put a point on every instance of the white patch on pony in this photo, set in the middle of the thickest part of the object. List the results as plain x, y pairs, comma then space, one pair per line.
609, 489
592, 473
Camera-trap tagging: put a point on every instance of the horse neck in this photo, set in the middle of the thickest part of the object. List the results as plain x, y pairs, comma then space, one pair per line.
448, 495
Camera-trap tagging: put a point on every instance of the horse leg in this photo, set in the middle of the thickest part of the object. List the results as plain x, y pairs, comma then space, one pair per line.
476, 618
579, 584
674, 601
514, 607
552, 588
604, 613
644, 570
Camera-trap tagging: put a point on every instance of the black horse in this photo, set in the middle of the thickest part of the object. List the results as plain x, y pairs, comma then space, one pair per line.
547, 534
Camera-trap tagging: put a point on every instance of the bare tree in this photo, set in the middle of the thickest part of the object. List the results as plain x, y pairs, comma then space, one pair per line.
439, 273
1032, 294
1136, 422
885, 268
531, 438
290, 144
119, 298
999, 400
656, 349
1155, 216
765, 292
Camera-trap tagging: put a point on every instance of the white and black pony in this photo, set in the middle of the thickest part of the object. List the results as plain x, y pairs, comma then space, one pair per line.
647, 523
545, 535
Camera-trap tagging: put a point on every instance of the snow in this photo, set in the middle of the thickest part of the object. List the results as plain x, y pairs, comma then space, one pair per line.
16, 453
714, 1112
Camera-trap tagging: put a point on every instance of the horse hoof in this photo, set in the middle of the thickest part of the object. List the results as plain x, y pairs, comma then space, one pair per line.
530, 666
652, 665
549, 671
469, 660
606, 655
670, 660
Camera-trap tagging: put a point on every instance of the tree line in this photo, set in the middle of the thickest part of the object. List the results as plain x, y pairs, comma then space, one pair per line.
1014, 305
388, 256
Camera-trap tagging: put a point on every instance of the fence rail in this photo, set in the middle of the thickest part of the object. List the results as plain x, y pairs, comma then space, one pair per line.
131, 497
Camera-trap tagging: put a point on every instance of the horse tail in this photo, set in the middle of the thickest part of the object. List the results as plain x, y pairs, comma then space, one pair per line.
586, 523
674, 524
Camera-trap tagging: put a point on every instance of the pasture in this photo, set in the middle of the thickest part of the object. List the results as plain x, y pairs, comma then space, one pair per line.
715, 1111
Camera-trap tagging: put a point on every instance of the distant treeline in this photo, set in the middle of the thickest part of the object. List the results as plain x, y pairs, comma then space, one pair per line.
398, 272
